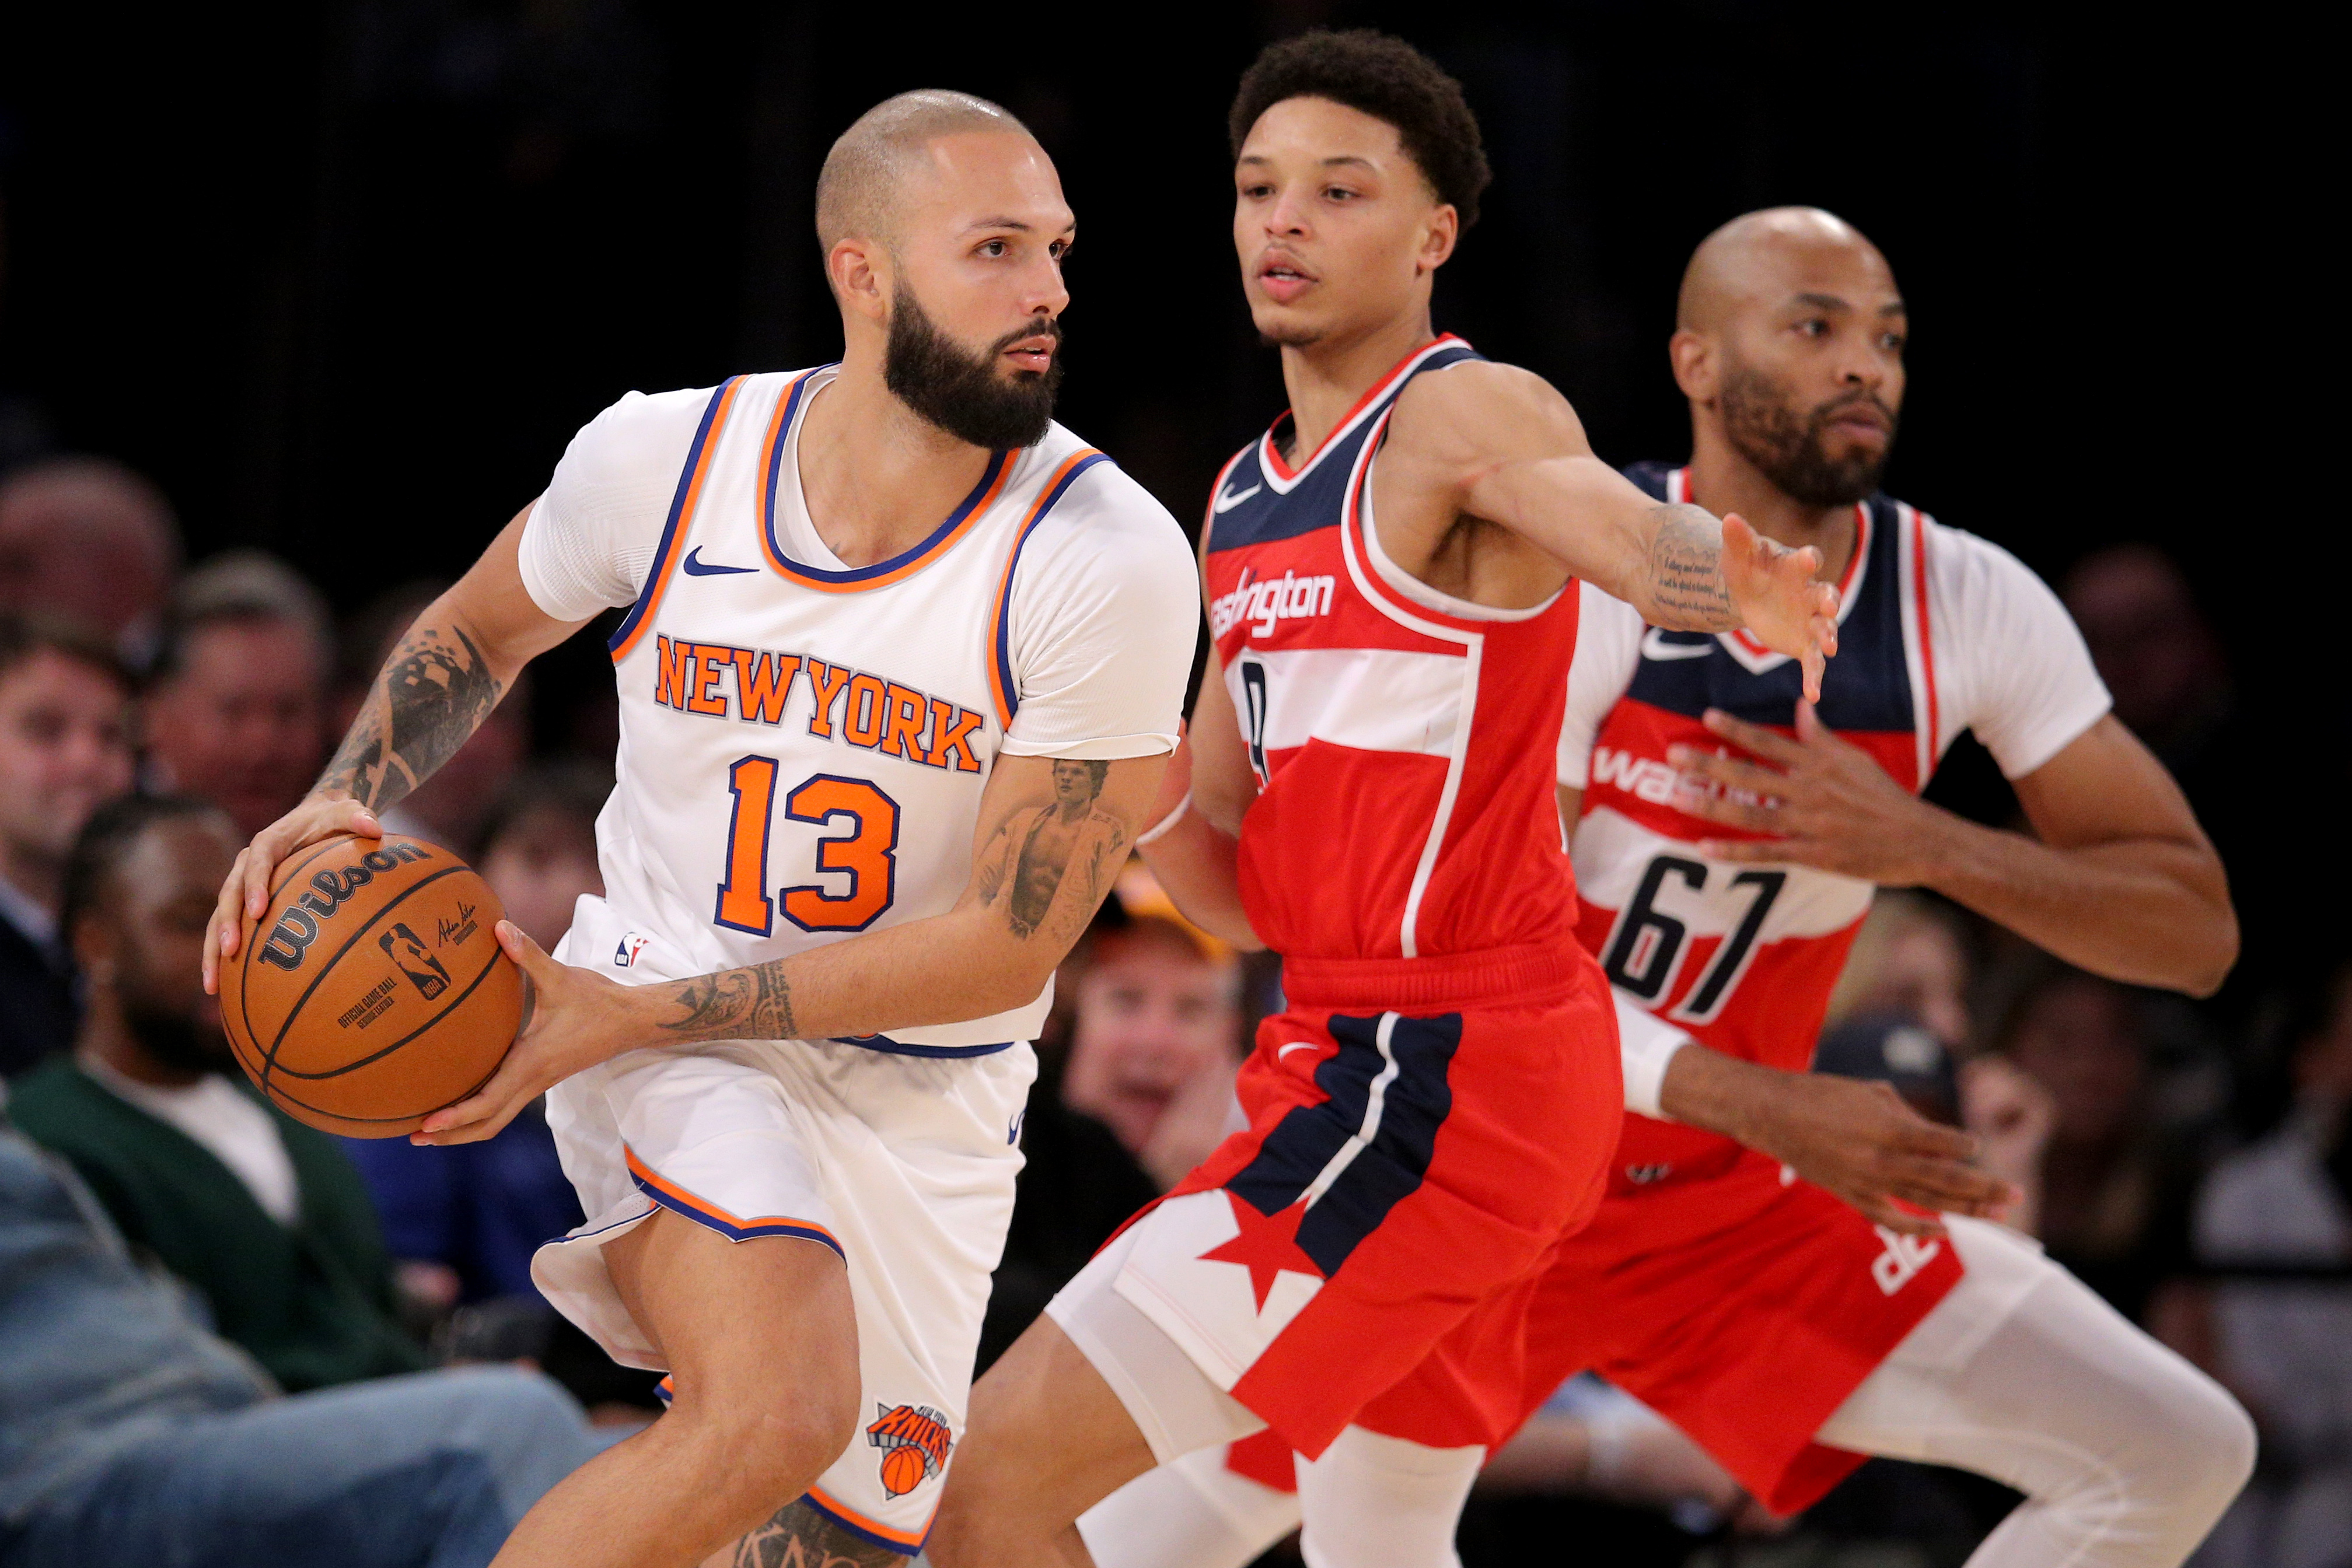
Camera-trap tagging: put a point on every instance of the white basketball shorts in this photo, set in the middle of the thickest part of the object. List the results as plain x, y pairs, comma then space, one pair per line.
901, 1164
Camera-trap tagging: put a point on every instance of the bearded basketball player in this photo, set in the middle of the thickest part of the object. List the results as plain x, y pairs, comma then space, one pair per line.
1391, 582
901, 665
1729, 835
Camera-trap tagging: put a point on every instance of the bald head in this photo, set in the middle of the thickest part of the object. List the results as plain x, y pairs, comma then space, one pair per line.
1758, 257
860, 189
1789, 343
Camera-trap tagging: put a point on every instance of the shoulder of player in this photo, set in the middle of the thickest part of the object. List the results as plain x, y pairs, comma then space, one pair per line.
1100, 507
1482, 406
641, 431
1958, 560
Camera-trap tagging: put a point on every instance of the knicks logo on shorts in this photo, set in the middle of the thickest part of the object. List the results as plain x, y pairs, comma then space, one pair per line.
1903, 1257
913, 1440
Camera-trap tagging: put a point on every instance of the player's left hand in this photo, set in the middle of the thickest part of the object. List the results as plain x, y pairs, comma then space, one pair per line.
1824, 800
571, 1019
1773, 588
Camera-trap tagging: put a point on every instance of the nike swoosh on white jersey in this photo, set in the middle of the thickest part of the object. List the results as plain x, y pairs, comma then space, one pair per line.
1227, 500
1655, 646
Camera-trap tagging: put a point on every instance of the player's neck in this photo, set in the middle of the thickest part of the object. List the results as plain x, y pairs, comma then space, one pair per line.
1329, 377
878, 480
1723, 481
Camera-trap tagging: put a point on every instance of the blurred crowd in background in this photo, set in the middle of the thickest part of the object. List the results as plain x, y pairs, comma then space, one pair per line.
367, 352
2192, 1165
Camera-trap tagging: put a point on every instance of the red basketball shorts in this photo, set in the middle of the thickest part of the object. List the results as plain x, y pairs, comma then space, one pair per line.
1401, 1187
1747, 1334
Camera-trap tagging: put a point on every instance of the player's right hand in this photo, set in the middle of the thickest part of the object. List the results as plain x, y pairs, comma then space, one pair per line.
1859, 1142
246, 893
1773, 588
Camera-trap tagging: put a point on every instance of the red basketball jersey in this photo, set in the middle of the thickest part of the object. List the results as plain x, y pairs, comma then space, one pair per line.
1402, 739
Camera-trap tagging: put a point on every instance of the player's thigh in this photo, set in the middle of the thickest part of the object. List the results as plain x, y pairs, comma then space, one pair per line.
434, 1469
2023, 1374
753, 1330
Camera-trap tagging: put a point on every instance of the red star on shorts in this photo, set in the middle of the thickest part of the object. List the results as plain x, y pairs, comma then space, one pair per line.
1268, 1245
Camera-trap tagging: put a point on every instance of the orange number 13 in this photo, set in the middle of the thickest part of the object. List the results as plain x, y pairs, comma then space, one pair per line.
866, 852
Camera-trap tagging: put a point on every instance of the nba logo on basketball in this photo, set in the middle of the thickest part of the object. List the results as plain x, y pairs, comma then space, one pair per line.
913, 1440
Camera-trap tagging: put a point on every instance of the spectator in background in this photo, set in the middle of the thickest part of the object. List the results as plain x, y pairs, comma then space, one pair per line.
65, 746
129, 1433
2153, 649
264, 1217
236, 710
539, 848
90, 539
1909, 961
454, 806
1141, 1094
1899, 1015
2274, 1221
463, 1221
1156, 1042
2115, 1184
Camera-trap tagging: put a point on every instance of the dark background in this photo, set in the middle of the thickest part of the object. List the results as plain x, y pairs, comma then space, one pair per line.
344, 277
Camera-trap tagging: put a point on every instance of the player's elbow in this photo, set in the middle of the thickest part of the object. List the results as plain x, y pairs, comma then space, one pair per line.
1010, 985
2213, 954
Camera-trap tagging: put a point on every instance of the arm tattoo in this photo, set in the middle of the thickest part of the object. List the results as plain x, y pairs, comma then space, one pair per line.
1687, 592
736, 1004
1047, 841
435, 690
797, 1536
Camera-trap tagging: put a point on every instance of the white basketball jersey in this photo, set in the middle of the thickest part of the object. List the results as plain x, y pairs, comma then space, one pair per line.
803, 744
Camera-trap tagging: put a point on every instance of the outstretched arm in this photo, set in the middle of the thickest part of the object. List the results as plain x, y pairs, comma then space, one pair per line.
1499, 444
1032, 893
442, 680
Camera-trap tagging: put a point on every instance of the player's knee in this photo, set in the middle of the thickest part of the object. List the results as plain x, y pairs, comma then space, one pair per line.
780, 1434
2209, 1444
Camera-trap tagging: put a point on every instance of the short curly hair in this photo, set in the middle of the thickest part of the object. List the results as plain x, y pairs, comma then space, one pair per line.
1387, 78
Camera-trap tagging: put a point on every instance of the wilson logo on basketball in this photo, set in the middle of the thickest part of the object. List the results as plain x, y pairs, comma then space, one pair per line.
297, 927
913, 1440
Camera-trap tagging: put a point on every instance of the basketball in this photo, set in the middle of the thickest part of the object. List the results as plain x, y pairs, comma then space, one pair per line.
902, 1471
372, 992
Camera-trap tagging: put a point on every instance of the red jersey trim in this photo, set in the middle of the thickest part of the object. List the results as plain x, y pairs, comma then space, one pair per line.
1932, 736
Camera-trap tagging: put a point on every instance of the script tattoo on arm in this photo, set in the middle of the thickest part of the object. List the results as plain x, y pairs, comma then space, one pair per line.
435, 691
797, 1536
1687, 592
736, 1004
1027, 865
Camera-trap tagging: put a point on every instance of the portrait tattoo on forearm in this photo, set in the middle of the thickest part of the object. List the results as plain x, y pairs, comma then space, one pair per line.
797, 1536
1687, 591
1032, 858
435, 691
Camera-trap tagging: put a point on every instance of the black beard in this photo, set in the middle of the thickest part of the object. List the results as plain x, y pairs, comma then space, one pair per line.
961, 393
1790, 451
173, 1038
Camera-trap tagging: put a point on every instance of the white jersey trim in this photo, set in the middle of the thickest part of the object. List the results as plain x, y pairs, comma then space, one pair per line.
1473, 645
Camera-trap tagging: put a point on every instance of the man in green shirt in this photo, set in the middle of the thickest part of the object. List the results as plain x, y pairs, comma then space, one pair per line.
265, 1218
